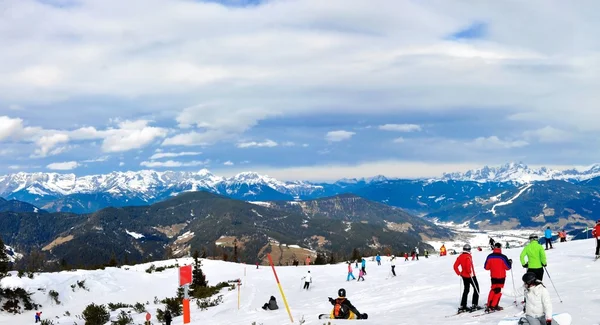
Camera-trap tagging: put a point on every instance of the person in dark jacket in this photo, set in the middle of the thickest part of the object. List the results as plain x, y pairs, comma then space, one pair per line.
343, 308
271, 305
497, 263
168, 317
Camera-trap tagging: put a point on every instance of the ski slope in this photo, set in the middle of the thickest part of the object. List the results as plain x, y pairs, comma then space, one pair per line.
424, 292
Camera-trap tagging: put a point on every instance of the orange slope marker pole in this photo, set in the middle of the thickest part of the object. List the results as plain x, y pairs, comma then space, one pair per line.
280, 289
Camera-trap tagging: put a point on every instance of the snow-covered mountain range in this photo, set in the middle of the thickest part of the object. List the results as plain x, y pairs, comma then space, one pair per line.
521, 173
69, 192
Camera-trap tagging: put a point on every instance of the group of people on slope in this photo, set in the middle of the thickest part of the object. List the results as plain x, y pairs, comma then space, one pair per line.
538, 308
363, 269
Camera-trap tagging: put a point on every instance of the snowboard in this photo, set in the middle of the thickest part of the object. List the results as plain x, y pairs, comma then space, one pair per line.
561, 319
328, 316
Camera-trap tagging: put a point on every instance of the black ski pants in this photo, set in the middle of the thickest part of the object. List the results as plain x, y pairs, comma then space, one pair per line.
306, 285
468, 282
539, 273
597, 246
393, 271
548, 241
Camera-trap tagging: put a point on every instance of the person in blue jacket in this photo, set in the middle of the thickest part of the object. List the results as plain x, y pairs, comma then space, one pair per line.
378, 259
548, 236
363, 265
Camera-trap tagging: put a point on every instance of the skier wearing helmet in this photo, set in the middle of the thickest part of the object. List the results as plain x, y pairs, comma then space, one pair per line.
538, 310
467, 272
343, 308
536, 257
596, 234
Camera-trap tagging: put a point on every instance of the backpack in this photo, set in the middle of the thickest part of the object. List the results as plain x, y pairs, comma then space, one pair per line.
340, 311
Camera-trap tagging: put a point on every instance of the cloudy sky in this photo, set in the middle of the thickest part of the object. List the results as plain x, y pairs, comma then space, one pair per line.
306, 89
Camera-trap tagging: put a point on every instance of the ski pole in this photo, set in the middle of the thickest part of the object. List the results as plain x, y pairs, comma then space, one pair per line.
512, 276
553, 284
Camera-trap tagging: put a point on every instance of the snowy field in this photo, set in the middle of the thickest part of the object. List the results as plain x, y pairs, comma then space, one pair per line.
424, 292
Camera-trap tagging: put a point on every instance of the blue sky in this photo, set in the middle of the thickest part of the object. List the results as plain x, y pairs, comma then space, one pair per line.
300, 89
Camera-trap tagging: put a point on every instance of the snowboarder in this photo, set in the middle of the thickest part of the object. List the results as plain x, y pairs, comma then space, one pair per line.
393, 262
405, 257
467, 272
361, 275
596, 234
548, 237
364, 266
343, 309
168, 318
536, 257
497, 263
350, 272
378, 259
38, 316
538, 310
443, 250
307, 280
417, 252
492, 242
271, 305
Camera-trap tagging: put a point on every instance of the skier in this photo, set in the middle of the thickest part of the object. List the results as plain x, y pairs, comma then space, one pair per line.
467, 272
443, 250
426, 254
492, 242
507, 245
538, 310
393, 262
596, 234
562, 235
168, 318
548, 236
536, 257
350, 272
257, 265
378, 259
412, 254
307, 262
356, 264
405, 257
364, 266
307, 280
417, 252
343, 308
271, 305
38, 316
497, 263
361, 275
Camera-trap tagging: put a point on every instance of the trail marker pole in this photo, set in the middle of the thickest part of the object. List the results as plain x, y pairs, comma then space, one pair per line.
280, 289
185, 278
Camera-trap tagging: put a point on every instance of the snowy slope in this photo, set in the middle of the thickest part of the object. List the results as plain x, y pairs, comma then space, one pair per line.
424, 292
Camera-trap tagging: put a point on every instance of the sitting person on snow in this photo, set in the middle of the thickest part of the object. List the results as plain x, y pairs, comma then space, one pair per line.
271, 305
538, 308
343, 309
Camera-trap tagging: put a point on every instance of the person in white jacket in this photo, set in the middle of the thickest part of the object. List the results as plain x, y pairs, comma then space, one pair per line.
307, 280
538, 307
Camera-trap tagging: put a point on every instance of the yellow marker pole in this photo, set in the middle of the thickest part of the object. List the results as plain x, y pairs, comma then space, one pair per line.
280, 289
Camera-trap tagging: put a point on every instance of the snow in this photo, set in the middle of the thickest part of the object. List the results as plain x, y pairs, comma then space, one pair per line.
261, 203
424, 292
134, 234
521, 191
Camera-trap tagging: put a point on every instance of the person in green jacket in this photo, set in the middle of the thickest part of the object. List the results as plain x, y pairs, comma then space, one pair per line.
536, 257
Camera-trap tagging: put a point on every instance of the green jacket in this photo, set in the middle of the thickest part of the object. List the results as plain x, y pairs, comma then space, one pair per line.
536, 256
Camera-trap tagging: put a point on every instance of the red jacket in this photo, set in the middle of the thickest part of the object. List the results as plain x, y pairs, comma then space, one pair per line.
596, 231
466, 263
497, 263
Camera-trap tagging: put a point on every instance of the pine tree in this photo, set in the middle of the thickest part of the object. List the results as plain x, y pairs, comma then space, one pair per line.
320, 260
3, 260
198, 277
113, 260
355, 254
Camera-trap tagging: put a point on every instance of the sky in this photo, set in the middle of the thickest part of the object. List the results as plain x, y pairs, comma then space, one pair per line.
297, 89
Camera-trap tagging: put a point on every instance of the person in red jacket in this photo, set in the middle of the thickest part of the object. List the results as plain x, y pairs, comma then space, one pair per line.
596, 234
467, 272
497, 263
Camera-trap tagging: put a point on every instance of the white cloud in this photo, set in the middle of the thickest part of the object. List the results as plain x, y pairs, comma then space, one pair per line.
400, 127
172, 163
288, 144
196, 138
121, 164
305, 145
253, 144
47, 142
99, 159
548, 134
160, 155
493, 142
399, 140
67, 165
340, 135
228, 163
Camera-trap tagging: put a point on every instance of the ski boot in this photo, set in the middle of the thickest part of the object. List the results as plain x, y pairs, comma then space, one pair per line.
475, 307
463, 309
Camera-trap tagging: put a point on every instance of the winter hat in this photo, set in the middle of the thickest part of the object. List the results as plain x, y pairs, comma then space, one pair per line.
498, 245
